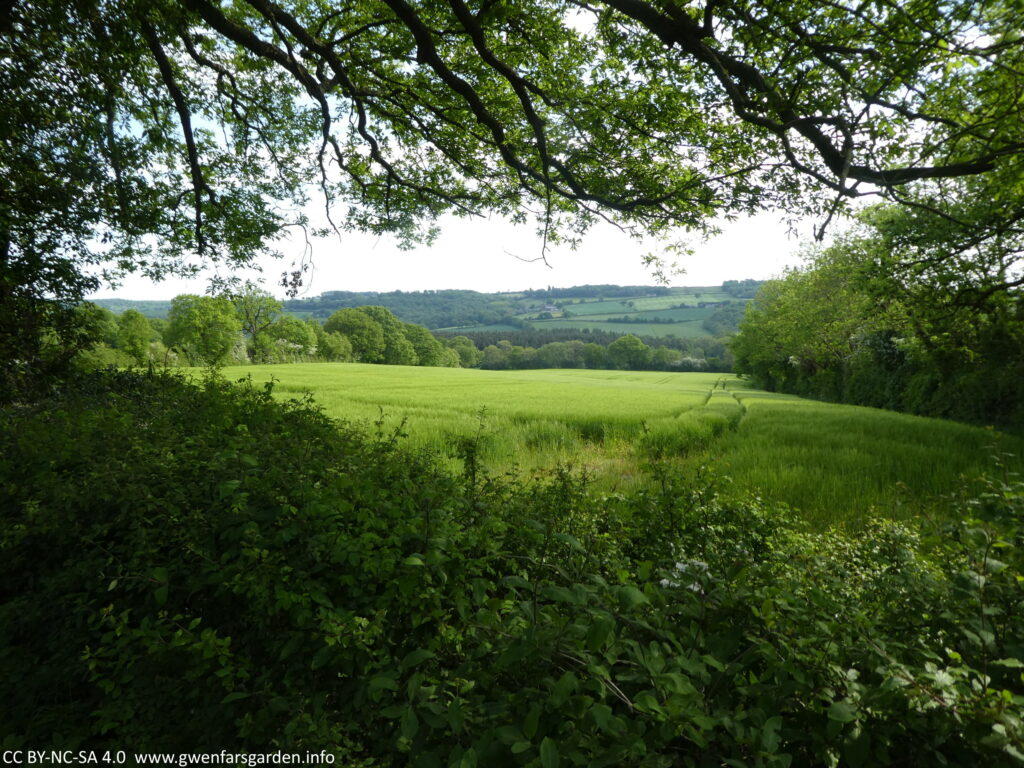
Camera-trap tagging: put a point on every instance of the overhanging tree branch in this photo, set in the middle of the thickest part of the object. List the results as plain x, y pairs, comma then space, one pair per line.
199, 185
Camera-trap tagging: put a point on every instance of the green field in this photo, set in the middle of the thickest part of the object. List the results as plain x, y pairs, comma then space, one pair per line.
689, 329
835, 463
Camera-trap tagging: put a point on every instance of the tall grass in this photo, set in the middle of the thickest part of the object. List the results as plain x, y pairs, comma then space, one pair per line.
837, 464
844, 463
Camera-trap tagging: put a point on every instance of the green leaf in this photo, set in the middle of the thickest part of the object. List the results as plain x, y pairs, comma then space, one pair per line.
631, 597
571, 541
416, 657
413, 560
382, 682
235, 697
599, 633
560, 595
549, 757
228, 487
601, 714
516, 581
319, 597
321, 657
509, 734
410, 724
455, 716
770, 733
842, 712
532, 721
564, 688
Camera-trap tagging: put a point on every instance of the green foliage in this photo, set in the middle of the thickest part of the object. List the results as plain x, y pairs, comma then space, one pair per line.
884, 317
333, 346
429, 351
724, 320
257, 310
469, 355
398, 350
292, 337
133, 335
628, 352
277, 581
743, 289
362, 331
205, 328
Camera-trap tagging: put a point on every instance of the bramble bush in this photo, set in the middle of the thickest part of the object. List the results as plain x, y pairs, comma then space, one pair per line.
194, 567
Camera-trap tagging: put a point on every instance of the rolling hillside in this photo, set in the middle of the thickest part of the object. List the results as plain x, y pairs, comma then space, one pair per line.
653, 311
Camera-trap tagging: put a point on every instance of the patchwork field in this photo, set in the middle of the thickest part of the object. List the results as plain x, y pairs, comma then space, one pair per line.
834, 463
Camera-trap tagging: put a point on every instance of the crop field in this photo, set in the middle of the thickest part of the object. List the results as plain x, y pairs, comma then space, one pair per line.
834, 463
683, 330
680, 314
600, 307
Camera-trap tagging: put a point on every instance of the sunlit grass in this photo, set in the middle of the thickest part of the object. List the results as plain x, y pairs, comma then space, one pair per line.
846, 462
837, 464
529, 419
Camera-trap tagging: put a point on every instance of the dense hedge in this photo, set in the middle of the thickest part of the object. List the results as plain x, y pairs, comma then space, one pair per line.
190, 567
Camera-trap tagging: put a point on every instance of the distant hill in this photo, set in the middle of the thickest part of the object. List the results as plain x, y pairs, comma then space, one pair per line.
147, 308
655, 311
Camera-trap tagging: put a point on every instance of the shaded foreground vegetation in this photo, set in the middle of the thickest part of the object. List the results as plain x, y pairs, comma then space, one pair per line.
191, 566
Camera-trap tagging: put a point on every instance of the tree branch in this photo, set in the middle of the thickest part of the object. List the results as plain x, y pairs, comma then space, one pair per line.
199, 184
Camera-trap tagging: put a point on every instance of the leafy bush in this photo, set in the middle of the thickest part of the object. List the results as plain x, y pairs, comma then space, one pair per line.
200, 567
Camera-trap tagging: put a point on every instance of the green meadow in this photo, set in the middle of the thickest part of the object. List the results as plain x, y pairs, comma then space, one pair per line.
833, 463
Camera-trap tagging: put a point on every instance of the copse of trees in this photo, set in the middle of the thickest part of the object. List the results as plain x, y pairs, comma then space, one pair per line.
725, 319
250, 326
205, 328
742, 289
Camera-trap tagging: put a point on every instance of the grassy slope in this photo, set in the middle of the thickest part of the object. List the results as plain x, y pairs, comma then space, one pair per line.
833, 462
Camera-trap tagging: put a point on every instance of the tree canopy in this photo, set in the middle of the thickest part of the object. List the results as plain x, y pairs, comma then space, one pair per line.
878, 319
147, 135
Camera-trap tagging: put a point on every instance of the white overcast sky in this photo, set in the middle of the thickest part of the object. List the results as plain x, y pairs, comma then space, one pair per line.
481, 255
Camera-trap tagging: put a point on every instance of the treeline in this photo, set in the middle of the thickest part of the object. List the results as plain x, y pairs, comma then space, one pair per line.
885, 318
643, 320
250, 326
700, 347
433, 309
742, 289
624, 353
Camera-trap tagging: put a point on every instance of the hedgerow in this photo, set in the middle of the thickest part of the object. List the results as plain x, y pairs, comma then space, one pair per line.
195, 567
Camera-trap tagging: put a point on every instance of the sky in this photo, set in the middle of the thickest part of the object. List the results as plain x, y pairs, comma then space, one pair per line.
482, 255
